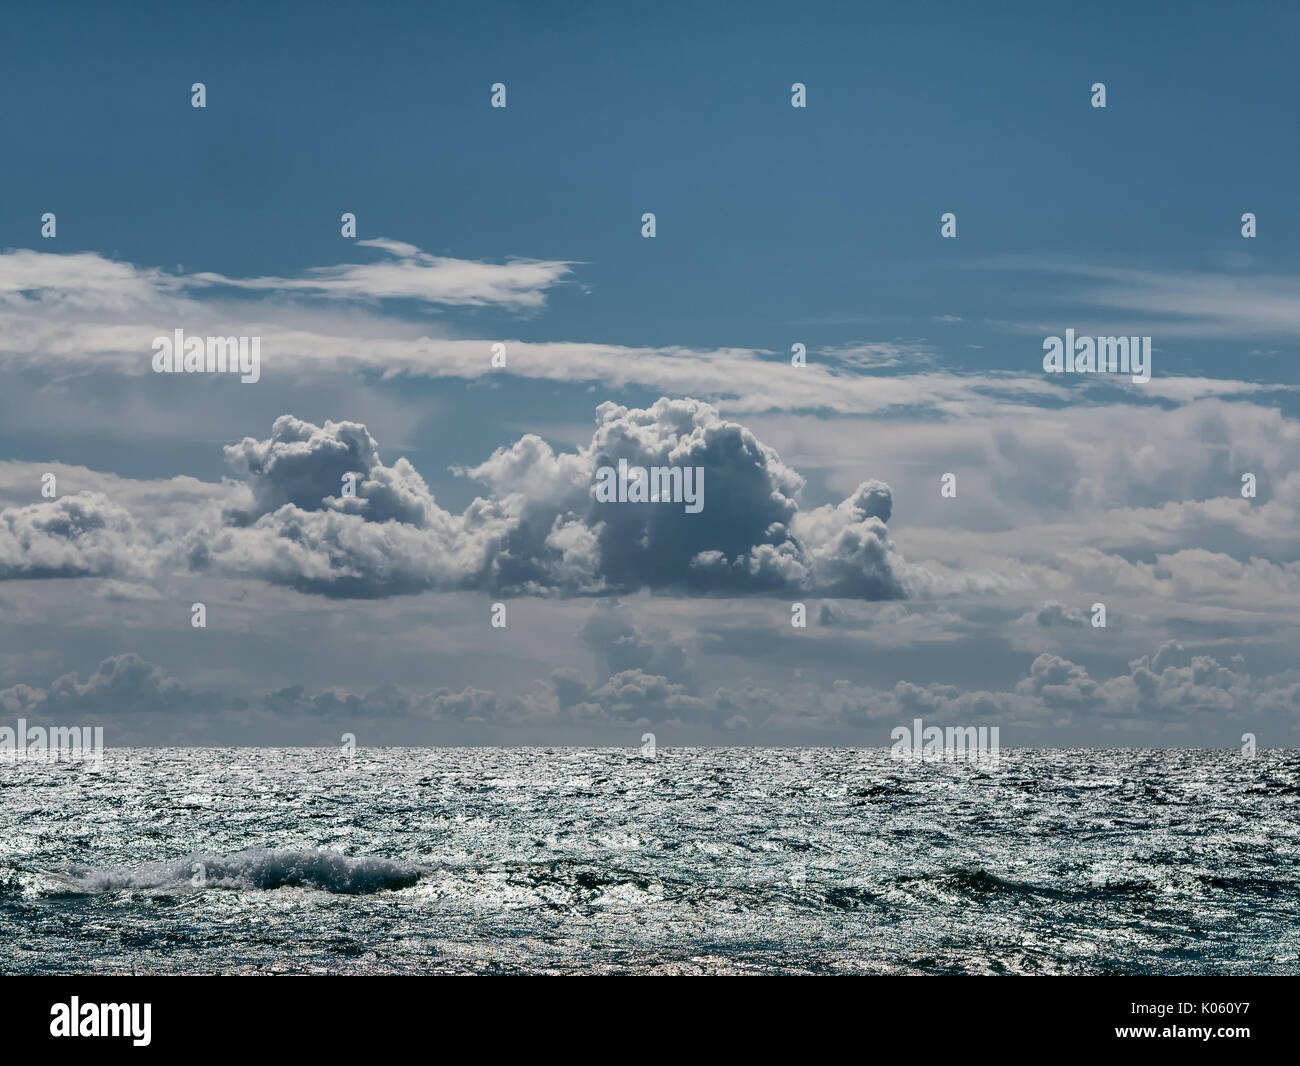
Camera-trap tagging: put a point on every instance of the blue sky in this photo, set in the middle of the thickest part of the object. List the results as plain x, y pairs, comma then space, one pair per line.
821, 214
776, 225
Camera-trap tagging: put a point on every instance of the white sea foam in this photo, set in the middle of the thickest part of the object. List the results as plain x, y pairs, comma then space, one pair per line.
253, 868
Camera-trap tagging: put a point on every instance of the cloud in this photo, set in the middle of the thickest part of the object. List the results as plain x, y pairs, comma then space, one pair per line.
542, 530
1200, 304
90, 281
629, 696
109, 313
135, 698
1080, 534
126, 592
1176, 303
81, 535
79, 280
1173, 690
121, 685
1053, 613
1174, 683
389, 703
317, 509
621, 645
1087, 505
1059, 683
410, 274
865, 355
304, 465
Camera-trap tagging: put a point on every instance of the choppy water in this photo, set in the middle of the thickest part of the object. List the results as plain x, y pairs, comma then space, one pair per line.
495, 860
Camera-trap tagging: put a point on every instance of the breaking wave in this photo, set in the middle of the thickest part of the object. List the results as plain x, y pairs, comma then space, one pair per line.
253, 868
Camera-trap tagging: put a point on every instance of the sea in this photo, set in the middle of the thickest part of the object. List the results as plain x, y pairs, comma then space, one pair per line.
695, 861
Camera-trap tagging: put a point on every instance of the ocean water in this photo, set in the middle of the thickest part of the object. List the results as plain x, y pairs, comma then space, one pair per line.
705, 860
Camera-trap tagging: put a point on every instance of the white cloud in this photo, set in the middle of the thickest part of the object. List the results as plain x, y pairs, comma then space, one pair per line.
109, 313
411, 274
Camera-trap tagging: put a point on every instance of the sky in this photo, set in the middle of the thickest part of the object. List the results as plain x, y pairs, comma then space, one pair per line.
775, 226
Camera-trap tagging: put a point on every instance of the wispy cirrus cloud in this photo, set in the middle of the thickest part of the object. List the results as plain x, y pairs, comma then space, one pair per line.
405, 272
1169, 303
109, 312
411, 274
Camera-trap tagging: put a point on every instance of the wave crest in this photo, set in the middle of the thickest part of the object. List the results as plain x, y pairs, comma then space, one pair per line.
252, 868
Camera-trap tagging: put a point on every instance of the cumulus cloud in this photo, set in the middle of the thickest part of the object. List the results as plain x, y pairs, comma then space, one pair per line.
305, 465
1059, 683
543, 529
81, 535
316, 508
139, 699
390, 703
642, 678
630, 696
1170, 688
1172, 682
643, 675
121, 685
